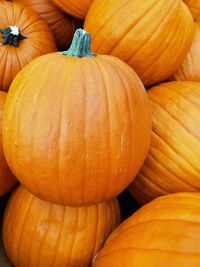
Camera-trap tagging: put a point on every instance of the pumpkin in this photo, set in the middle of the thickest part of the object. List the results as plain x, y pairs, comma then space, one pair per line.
164, 232
62, 25
74, 8
23, 37
37, 233
173, 161
190, 68
153, 37
78, 133
7, 180
194, 6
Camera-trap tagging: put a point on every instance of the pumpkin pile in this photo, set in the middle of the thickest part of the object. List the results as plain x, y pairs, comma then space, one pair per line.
88, 113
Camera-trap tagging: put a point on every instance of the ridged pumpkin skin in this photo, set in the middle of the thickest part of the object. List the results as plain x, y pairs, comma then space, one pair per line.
86, 133
7, 180
40, 234
194, 6
152, 36
62, 25
190, 68
164, 232
39, 40
173, 162
74, 8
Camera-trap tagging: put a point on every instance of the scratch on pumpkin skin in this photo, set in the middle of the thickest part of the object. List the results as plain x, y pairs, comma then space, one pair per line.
107, 133
121, 144
118, 171
92, 177
35, 96
90, 180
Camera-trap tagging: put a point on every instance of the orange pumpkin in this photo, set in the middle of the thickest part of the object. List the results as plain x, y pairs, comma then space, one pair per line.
173, 161
23, 37
81, 130
194, 6
153, 37
62, 25
37, 233
164, 232
190, 68
7, 180
74, 8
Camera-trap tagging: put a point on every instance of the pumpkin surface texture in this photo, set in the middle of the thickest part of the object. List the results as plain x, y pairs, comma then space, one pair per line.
40, 234
62, 25
7, 180
23, 37
194, 6
190, 68
163, 233
87, 131
152, 36
173, 161
75, 8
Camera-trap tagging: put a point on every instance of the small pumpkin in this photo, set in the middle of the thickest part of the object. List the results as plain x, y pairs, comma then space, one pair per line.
81, 130
194, 6
173, 161
7, 180
153, 37
190, 68
37, 233
62, 25
23, 37
74, 8
164, 232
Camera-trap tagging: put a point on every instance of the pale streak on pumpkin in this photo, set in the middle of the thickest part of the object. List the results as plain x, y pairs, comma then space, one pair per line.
40, 234
39, 40
54, 158
7, 180
190, 68
154, 48
164, 232
173, 162
62, 25
74, 8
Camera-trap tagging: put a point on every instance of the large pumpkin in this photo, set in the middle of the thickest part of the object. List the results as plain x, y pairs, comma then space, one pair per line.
152, 36
40, 234
78, 132
7, 180
24, 36
163, 233
190, 68
62, 25
194, 6
173, 161
75, 8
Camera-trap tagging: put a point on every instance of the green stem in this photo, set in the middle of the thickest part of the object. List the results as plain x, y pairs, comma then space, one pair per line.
11, 36
80, 46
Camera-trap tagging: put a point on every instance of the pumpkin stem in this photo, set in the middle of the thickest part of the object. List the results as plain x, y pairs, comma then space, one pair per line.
11, 36
81, 45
